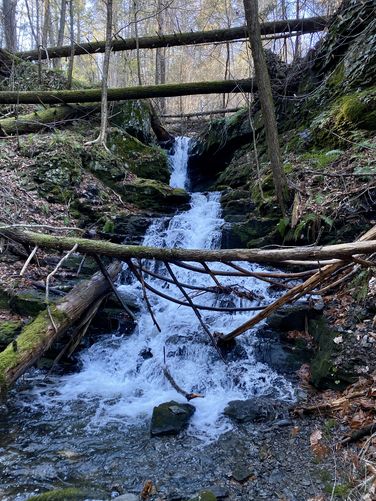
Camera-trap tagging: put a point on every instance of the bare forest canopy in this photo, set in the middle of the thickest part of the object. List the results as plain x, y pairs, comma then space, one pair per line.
202, 40
288, 27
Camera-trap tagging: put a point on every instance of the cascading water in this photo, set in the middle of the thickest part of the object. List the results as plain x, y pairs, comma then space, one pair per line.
121, 379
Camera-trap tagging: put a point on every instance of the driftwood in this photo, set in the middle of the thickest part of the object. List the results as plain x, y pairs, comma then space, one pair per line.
37, 337
308, 25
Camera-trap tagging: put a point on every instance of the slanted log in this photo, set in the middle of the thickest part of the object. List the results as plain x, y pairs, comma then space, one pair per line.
308, 25
366, 245
127, 93
37, 337
48, 118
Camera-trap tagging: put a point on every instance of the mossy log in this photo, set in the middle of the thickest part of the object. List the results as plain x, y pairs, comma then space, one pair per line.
43, 119
127, 93
308, 25
37, 337
124, 252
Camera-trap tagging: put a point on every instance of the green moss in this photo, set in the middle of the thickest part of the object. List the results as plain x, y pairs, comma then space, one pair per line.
321, 158
149, 162
27, 302
8, 331
32, 335
109, 226
359, 109
63, 495
153, 195
337, 77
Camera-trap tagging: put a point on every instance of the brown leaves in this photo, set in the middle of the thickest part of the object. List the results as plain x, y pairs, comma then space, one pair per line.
147, 490
318, 447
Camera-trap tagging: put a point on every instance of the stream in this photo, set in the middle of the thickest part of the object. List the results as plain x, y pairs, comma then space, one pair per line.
91, 428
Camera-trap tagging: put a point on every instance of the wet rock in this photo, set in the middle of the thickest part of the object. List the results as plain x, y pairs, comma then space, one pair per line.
170, 418
9, 331
204, 496
219, 492
294, 317
253, 409
128, 496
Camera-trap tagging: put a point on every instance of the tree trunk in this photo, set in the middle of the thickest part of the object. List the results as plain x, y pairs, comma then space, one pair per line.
37, 337
309, 25
160, 56
49, 118
128, 93
266, 102
72, 45
62, 21
10, 26
124, 252
101, 139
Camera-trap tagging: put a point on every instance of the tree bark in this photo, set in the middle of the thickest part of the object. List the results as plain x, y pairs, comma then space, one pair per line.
124, 252
125, 94
10, 27
266, 102
72, 45
309, 25
37, 337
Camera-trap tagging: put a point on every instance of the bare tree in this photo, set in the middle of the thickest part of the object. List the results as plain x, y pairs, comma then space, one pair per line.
62, 21
71, 34
266, 102
101, 139
10, 26
160, 55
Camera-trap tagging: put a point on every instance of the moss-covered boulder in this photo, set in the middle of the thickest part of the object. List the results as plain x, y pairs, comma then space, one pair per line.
153, 195
246, 233
148, 162
28, 302
133, 117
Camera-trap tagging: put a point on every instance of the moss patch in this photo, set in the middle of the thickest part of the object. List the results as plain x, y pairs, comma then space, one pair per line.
63, 495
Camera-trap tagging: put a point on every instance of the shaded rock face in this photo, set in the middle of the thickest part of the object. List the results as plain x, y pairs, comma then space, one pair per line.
170, 418
295, 317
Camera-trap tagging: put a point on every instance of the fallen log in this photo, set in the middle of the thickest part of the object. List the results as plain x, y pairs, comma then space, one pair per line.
43, 119
308, 25
127, 93
37, 337
124, 252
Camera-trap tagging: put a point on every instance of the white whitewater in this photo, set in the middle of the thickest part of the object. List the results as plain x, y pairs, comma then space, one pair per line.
123, 386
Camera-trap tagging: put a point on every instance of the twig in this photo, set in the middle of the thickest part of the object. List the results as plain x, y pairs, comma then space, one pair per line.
64, 258
28, 260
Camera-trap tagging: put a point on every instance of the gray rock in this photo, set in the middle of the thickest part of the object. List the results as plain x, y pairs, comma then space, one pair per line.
170, 418
294, 317
253, 409
128, 497
241, 473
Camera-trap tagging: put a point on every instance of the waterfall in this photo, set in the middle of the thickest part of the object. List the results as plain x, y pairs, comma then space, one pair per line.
121, 379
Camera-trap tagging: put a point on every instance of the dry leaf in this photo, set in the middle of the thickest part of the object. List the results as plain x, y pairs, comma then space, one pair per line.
317, 446
147, 489
295, 431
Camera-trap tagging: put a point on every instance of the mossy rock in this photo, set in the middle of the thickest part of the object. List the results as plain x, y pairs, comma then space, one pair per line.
240, 234
4, 299
69, 494
57, 173
28, 302
133, 117
153, 195
325, 374
148, 162
8, 332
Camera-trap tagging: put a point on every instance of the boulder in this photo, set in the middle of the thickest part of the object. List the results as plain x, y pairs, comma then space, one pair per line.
253, 409
153, 195
170, 418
